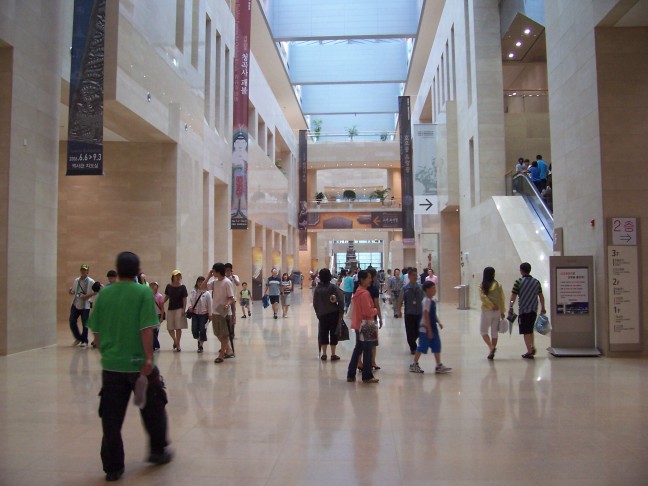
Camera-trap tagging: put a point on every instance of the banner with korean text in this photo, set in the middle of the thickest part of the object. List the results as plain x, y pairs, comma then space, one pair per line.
407, 178
302, 216
85, 122
243, 20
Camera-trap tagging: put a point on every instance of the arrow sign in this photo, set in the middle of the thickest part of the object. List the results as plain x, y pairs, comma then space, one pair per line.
427, 203
625, 237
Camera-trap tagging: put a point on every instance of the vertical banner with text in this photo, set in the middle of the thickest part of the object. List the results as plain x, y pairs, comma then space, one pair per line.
85, 123
424, 166
407, 178
302, 217
239, 188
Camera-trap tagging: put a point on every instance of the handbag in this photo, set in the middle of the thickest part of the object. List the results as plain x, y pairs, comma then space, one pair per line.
542, 325
503, 326
368, 330
189, 314
266, 301
343, 331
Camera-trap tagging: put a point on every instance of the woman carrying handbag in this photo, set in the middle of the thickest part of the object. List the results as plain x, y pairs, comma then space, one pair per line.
365, 327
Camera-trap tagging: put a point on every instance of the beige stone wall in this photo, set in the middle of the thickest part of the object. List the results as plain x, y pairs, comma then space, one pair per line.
30, 80
527, 134
622, 73
131, 208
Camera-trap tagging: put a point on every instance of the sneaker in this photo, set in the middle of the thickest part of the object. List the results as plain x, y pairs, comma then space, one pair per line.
83, 345
243, 316
528, 356
200, 349
160, 458
441, 369
415, 368
114, 475
76, 342
371, 380
351, 380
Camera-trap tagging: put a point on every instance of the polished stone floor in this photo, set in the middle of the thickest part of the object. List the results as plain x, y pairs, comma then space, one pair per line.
277, 415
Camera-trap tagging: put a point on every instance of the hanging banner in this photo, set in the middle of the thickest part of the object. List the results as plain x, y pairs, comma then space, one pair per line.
85, 122
407, 177
426, 200
257, 273
242, 19
302, 217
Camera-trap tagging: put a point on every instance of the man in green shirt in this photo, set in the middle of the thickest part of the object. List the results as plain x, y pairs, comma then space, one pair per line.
122, 321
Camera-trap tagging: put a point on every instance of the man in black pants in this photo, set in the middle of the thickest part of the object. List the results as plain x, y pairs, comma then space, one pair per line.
412, 295
122, 321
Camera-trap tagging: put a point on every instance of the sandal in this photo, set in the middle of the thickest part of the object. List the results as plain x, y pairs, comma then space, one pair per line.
335, 357
218, 360
376, 367
323, 357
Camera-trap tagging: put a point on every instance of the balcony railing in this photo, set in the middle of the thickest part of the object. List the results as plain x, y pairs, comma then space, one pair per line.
359, 203
369, 136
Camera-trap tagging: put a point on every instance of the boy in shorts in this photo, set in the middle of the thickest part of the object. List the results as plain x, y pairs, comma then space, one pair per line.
429, 332
245, 300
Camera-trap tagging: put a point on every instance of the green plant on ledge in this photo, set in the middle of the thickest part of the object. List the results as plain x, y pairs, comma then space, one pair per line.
319, 197
317, 128
352, 132
380, 194
384, 136
349, 195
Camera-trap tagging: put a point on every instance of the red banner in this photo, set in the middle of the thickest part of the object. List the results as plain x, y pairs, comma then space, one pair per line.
239, 187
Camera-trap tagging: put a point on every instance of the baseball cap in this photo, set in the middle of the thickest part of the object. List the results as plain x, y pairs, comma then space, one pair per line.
85, 266
176, 272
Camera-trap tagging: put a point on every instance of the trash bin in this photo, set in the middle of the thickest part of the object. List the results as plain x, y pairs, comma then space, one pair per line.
463, 297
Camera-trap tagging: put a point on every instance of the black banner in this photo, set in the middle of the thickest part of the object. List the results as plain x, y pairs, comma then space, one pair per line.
407, 179
386, 220
302, 216
85, 125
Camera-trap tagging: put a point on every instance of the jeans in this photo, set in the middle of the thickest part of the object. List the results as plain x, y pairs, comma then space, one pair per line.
199, 326
115, 394
156, 333
347, 300
74, 317
411, 330
364, 347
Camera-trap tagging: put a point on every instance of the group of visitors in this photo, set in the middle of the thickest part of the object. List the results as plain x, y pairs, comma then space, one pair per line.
540, 175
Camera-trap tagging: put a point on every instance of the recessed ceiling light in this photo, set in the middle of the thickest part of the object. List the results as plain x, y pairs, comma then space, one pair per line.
518, 43
514, 94
527, 31
511, 55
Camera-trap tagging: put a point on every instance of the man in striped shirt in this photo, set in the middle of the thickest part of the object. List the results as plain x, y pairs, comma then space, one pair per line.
529, 291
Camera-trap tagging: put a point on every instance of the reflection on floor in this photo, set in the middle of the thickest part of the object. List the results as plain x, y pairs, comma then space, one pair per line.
277, 415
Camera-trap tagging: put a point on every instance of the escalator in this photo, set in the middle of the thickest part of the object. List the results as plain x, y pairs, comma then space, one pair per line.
522, 186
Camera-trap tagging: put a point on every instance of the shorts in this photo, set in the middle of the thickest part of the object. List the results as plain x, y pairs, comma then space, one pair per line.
527, 321
489, 320
176, 320
285, 299
219, 325
274, 299
426, 343
245, 302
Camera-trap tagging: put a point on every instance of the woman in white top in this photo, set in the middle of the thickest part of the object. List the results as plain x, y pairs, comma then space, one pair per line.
200, 303
286, 289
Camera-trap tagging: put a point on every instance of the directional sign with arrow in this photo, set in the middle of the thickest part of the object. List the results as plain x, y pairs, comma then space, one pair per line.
426, 204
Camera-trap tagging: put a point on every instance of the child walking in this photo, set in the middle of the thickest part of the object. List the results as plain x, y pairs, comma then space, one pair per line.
245, 300
429, 332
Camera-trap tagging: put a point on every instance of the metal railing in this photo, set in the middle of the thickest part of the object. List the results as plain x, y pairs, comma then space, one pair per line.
358, 203
368, 136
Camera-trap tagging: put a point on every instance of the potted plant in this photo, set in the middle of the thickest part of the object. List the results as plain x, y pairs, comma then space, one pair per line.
319, 197
349, 195
317, 128
380, 194
352, 131
384, 136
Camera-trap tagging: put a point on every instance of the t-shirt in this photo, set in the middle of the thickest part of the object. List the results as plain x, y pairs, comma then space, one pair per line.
535, 173
82, 287
412, 296
159, 300
120, 313
543, 169
245, 294
374, 291
222, 291
395, 284
347, 284
285, 286
176, 294
527, 289
429, 308
274, 286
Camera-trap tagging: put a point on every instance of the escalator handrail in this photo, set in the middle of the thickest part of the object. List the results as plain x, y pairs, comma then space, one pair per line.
531, 193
